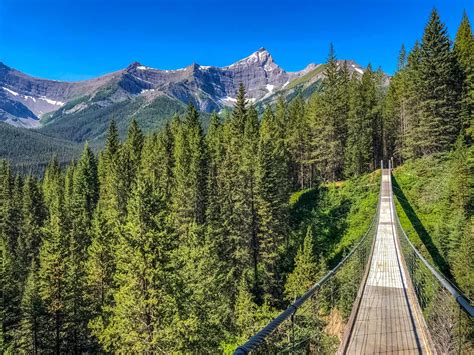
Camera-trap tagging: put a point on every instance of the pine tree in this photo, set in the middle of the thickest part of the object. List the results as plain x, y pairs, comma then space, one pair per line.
438, 89
31, 336
51, 174
239, 112
464, 50
142, 302
215, 146
239, 234
109, 170
330, 118
33, 216
409, 106
298, 143
360, 155
402, 58
83, 202
189, 172
106, 229
54, 263
247, 206
273, 191
129, 162
9, 271
249, 317
205, 310
306, 270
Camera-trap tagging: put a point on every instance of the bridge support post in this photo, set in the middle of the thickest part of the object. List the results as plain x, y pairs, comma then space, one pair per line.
293, 333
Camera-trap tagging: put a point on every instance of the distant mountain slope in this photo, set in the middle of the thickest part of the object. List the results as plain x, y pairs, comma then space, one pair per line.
30, 102
30, 150
91, 123
75, 112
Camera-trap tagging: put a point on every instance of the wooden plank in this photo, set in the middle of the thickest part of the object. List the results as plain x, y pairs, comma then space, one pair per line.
385, 323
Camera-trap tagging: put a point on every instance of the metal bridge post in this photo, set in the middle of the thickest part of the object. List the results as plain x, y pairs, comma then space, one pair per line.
460, 335
293, 332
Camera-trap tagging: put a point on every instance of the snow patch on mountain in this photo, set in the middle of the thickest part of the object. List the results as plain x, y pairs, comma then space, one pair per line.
14, 93
52, 102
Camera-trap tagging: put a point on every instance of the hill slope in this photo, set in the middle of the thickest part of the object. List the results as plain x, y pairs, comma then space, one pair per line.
434, 202
30, 150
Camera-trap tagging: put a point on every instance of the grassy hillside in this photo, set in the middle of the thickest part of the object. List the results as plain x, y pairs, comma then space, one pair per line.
339, 214
434, 202
30, 150
307, 77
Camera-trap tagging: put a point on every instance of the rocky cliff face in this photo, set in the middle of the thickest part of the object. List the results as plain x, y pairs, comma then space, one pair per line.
24, 100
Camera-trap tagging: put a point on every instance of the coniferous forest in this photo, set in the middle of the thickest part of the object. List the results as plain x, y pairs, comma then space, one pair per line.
187, 240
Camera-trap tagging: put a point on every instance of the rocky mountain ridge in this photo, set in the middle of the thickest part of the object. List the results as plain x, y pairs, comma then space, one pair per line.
31, 102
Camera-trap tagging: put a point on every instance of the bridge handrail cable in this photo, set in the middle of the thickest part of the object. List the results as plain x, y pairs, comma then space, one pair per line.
460, 298
259, 337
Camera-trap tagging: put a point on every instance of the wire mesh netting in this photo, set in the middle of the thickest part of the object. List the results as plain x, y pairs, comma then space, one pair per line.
449, 322
315, 323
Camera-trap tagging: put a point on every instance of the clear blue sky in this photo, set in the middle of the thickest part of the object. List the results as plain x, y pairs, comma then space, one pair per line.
79, 39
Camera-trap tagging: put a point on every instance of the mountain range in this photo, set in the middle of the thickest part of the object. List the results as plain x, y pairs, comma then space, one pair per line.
79, 111
32, 102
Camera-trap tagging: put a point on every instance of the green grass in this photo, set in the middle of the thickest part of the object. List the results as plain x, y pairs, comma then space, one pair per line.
426, 203
340, 214
307, 77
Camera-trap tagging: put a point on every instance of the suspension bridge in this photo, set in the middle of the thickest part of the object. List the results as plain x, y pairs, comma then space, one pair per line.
383, 297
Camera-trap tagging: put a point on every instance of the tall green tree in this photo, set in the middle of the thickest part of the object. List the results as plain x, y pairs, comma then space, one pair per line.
10, 275
31, 335
306, 270
464, 50
53, 269
33, 216
189, 172
272, 204
438, 90
143, 307
106, 229
330, 119
360, 157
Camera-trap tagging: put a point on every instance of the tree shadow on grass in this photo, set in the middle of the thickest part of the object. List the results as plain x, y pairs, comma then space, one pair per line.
424, 235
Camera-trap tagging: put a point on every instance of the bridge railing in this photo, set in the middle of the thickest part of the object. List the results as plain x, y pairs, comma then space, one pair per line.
315, 322
448, 314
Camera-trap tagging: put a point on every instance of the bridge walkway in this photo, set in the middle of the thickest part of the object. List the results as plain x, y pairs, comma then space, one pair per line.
387, 320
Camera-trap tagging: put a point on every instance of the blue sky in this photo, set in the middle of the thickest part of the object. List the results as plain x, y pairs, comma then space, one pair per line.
79, 39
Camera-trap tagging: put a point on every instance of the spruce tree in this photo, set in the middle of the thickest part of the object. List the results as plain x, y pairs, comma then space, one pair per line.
360, 156
214, 220
33, 216
10, 275
306, 270
53, 269
272, 197
106, 229
129, 162
464, 50
31, 335
438, 89
240, 135
329, 121
142, 302
298, 143
83, 202
189, 172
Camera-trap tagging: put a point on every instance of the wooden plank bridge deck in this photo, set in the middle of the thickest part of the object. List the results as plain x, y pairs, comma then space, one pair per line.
387, 320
